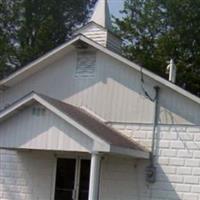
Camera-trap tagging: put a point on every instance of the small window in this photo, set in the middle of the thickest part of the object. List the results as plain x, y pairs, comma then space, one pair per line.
86, 64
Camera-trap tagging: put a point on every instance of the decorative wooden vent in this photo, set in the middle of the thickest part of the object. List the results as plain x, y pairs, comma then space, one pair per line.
38, 111
86, 64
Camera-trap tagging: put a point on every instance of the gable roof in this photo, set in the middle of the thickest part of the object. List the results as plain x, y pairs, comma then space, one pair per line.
80, 119
61, 50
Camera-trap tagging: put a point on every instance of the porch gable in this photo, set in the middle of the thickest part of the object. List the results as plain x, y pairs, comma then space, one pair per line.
48, 124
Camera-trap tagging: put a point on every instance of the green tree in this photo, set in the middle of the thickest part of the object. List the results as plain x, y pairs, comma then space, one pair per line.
154, 31
30, 28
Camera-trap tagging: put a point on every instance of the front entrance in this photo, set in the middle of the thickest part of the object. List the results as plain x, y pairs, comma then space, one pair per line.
72, 179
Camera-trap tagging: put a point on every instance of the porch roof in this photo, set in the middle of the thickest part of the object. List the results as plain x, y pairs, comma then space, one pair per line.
82, 120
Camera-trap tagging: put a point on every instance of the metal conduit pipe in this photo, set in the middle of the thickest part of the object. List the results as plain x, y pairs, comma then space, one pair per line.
155, 124
151, 169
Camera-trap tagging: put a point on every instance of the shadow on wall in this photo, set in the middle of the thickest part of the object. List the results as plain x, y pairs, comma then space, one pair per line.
162, 189
176, 159
114, 85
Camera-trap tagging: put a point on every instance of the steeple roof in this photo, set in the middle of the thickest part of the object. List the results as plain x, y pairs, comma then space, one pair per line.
99, 28
101, 14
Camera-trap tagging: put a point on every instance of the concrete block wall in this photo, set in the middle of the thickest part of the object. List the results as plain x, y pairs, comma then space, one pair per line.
177, 160
29, 175
25, 175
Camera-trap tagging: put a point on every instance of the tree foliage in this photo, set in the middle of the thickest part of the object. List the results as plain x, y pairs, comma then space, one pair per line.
30, 28
154, 31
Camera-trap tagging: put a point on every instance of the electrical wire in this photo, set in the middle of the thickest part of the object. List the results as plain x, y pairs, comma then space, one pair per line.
143, 88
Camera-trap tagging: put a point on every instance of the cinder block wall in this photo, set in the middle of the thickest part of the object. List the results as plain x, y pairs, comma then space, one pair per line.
177, 160
30, 175
26, 175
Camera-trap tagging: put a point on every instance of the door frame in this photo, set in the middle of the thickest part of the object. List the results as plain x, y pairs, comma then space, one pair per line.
78, 158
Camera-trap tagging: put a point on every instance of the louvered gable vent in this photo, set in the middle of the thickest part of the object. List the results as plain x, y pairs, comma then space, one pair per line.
86, 64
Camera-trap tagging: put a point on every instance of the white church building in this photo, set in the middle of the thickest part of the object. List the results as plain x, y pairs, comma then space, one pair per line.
84, 123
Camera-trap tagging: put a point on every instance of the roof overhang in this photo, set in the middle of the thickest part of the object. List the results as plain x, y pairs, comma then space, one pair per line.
63, 49
37, 64
100, 145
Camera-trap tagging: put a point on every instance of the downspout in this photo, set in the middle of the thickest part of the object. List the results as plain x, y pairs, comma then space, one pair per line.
155, 124
151, 169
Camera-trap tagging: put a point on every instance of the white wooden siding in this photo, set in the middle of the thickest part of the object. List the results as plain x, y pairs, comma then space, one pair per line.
96, 33
119, 179
47, 131
102, 36
114, 93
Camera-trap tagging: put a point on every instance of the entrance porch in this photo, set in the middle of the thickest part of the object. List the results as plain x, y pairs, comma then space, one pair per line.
32, 175
56, 151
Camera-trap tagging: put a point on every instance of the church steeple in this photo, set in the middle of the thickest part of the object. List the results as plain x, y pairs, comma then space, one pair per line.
101, 14
99, 28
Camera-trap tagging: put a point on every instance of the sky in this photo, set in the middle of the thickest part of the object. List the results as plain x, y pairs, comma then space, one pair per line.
115, 6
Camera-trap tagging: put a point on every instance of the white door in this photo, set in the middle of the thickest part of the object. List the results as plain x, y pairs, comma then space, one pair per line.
72, 179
